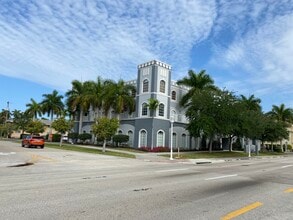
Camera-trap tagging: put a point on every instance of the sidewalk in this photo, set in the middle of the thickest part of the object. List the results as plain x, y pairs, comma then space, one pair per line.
157, 157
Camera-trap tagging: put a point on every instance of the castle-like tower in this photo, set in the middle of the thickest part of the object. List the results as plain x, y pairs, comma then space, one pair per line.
151, 128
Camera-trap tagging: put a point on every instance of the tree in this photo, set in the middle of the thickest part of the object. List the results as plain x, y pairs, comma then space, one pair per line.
6, 129
251, 103
96, 96
119, 96
34, 109
196, 82
105, 128
79, 98
21, 120
4, 116
62, 126
153, 104
282, 114
52, 105
209, 113
35, 127
273, 131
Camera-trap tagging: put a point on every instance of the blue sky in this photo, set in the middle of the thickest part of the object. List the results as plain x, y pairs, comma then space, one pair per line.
246, 46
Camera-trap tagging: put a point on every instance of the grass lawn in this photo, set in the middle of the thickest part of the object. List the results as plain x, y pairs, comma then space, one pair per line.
223, 154
88, 150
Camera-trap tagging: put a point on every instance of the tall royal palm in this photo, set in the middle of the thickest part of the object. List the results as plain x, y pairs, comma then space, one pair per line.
78, 99
195, 82
251, 103
34, 109
52, 105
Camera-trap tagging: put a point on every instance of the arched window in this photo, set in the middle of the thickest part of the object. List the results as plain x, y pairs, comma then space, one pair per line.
160, 139
173, 95
130, 141
120, 132
144, 109
161, 109
143, 138
183, 141
174, 140
162, 86
145, 87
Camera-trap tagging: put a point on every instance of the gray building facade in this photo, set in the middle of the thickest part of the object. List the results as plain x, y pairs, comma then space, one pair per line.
153, 128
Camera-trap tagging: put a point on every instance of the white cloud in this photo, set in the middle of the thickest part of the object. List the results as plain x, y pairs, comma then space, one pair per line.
259, 61
54, 42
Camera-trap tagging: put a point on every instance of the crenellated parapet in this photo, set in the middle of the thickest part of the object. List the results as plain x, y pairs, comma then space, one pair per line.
155, 62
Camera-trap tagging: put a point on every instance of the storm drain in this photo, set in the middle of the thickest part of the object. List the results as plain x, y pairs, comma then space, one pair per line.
22, 165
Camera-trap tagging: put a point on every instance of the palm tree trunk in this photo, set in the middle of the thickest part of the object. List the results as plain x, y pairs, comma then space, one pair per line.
50, 130
80, 121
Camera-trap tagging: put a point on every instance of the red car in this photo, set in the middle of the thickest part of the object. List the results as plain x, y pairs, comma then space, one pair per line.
30, 141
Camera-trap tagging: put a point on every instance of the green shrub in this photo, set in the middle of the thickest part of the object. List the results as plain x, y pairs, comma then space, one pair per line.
277, 149
73, 135
289, 147
56, 137
120, 138
85, 136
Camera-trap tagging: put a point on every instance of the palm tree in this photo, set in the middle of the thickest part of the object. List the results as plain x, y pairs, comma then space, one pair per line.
34, 109
78, 98
282, 114
251, 103
196, 82
153, 105
96, 96
119, 96
52, 105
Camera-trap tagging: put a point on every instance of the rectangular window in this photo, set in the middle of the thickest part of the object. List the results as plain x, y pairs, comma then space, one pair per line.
161, 110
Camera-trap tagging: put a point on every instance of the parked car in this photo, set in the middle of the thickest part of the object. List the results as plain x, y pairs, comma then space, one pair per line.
30, 141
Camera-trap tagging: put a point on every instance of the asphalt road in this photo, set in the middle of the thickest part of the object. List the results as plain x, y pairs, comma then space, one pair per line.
60, 184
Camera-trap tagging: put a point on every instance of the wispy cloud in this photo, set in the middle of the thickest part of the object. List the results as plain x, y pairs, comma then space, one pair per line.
54, 42
259, 58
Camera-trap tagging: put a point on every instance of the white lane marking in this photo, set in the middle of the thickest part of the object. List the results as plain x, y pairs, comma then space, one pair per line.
174, 170
287, 166
6, 154
221, 177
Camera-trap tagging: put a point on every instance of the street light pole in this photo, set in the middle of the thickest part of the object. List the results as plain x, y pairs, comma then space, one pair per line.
171, 141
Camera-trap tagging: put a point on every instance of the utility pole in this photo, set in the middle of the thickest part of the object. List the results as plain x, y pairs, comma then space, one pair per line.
7, 112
